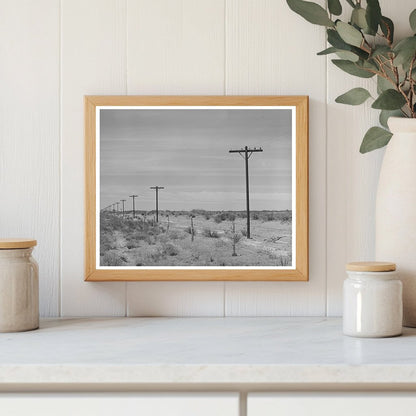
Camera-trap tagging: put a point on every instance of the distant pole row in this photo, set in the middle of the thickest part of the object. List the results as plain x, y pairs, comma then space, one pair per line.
115, 206
245, 152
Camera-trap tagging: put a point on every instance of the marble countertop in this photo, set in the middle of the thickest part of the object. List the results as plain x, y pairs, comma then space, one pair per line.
203, 351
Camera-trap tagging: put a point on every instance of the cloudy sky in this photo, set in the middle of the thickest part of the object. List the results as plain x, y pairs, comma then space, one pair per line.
186, 151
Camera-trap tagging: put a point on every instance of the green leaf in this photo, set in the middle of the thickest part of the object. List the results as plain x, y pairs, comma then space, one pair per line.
389, 100
358, 18
352, 68
386, 114
334, 7
405, 50
311, 12
387, 27
349, 34
370, 65
356, 96
383, 84
412, 20
350, 56
381, 50
375, 138
336, 41
373, 15
347, 55
327, 51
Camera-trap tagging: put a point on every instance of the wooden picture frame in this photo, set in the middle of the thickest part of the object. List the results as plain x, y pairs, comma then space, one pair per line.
298, 270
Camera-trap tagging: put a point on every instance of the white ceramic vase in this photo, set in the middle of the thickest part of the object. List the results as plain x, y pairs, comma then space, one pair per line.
396, 210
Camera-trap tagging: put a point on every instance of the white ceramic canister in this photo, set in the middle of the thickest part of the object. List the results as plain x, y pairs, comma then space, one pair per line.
19, 286
372, 300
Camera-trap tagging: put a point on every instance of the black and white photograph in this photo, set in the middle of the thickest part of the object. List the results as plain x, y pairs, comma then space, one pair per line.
196, 187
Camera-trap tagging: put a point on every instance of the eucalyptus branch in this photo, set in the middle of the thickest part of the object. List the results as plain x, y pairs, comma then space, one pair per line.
412, 85
369, 46
395, 71
365, 44
406, 97
387, 38
385, 75
372, 71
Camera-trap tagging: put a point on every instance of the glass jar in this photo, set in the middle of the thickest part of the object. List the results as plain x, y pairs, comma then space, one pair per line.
372, 300
19, 286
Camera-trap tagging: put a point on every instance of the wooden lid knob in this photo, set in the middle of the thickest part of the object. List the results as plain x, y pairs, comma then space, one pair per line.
11, 243
371, 266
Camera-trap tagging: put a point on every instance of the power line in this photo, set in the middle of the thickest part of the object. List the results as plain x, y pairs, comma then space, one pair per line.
156, 188
245, 153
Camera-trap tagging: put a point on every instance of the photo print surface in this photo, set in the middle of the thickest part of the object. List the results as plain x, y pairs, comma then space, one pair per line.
195, 187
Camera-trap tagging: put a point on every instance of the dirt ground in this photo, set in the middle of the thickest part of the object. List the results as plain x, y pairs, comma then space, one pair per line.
216, 239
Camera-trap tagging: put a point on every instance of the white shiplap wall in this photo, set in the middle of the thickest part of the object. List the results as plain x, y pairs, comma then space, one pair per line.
29, 134
54, 52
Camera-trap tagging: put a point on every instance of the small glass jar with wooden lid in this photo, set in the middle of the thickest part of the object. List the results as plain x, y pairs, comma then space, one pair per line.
19, 286
372, 300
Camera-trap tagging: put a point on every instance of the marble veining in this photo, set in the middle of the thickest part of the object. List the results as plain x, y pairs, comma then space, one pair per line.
203, 350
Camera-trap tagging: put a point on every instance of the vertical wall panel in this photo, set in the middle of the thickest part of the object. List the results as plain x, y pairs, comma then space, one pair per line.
352, 177
29, 134
93, 62
272, 51
175, 47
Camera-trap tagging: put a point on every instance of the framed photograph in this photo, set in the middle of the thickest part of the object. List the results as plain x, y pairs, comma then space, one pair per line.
196, 188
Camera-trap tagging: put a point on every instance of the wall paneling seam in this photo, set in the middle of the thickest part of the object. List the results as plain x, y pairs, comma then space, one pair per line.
60, 255
225, 51
326, 180
126, 91
224, 286
326, 186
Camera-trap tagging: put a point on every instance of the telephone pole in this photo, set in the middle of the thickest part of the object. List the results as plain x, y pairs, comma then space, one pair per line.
123, 201
245, 153
156, 188
133, 196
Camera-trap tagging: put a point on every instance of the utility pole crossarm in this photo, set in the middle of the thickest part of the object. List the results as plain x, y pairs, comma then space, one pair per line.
244, 150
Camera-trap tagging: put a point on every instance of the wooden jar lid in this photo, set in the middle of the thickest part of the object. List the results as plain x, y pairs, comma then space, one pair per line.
371, 266
11, 243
